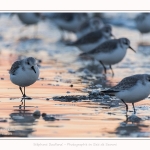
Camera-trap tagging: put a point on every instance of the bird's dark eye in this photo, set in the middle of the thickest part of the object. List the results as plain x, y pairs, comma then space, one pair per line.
28, 63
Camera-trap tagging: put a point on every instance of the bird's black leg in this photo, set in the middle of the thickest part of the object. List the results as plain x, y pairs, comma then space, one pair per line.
24, 95
125, 105
103, 66
24, 104
21, 90
111, 70
134, 108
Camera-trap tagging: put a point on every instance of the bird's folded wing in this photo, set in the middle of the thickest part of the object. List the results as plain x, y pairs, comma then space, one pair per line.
105, 47
126, 84
88, 38
14, 67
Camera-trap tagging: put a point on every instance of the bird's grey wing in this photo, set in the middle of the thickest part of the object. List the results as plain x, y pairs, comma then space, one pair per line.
89, 38
105, 47
14, 67
126, 83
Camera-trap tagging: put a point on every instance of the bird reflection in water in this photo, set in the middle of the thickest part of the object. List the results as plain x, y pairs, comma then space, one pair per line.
132, 127
22, 121
23, 115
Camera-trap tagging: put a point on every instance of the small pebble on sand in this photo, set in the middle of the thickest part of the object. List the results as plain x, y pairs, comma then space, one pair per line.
36, 113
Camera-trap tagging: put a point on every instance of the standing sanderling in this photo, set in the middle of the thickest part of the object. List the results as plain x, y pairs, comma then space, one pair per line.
110, 52
93, 39
143, 22
131, 89
24, 73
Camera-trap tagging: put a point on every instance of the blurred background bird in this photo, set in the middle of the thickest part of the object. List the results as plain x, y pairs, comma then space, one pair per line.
93, 39
28, 19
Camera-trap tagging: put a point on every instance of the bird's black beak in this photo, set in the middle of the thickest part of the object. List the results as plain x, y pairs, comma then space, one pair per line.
132, 49
33, 69
112, 35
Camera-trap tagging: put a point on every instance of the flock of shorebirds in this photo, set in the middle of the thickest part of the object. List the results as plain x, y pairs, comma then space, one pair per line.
94, 40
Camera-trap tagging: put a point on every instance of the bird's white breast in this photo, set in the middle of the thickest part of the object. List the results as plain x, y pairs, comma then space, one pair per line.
112, 57
25, 77
144, 25
135, 94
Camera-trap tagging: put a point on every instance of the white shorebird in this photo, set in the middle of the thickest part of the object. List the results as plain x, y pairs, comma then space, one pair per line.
131, 89
69, 21
143, 22
110, 52
93, 39
24, 73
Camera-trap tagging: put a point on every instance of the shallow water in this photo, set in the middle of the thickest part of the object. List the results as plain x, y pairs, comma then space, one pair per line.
60, 68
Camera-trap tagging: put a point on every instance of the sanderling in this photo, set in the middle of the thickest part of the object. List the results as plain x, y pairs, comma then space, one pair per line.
143, 22
110, 52
93, 39
92, 24
24, 73
69, 21
131, 89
